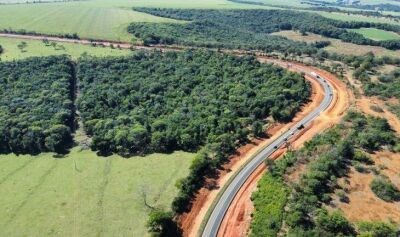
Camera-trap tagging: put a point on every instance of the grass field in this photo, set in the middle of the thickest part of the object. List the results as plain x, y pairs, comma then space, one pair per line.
108, 19
339, 46
83, 194
38, 48
353, 17
99, 19
87, 19
377, 34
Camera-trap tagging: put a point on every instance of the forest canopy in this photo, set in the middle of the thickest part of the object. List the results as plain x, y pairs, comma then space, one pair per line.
36, 105
154, 102
250, 29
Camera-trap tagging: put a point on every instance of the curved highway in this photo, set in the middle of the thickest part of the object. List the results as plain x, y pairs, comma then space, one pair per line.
218, 213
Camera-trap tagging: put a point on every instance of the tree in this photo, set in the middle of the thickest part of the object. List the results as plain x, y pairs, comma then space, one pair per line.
161, 224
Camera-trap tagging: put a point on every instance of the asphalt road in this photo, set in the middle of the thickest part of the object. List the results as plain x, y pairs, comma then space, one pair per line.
218, 213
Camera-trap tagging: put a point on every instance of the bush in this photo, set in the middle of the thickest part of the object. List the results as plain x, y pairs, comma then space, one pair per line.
385, 190
161, 224
269, 201
377, 229
333, 223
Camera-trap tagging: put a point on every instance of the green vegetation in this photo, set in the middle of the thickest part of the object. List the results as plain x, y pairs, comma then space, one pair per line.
89, 19
163, 102
377, 229
247, 29
40, 49
385, 190
387, 87
83, 194
36, 105
328, 157
184, 101
376, 34
270, 199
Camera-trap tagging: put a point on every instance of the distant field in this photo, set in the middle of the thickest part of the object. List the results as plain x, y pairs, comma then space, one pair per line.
108, 19
338, 46
38, 48
85, 195
377, 34
89, 19
353, 17
100, 19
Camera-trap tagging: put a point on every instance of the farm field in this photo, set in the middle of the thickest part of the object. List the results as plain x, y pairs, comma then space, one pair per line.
87, 19
377, 34
106, 19
38, 48
339, 46
85, 195
352, 17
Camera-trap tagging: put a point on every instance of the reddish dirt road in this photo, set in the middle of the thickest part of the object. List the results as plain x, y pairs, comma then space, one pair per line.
237, 220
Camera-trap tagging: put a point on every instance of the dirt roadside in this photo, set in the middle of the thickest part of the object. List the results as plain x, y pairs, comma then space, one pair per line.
238, 218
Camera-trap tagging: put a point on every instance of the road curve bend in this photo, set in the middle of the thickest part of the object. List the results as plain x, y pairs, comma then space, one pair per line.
217, 215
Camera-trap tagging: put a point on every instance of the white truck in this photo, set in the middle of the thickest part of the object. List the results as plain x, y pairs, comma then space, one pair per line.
314, 74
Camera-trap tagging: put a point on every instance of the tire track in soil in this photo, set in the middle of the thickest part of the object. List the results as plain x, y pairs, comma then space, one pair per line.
14, 172
102, 190
32, 192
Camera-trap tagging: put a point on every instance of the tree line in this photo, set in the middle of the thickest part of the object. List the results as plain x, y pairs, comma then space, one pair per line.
36, 105
250, 29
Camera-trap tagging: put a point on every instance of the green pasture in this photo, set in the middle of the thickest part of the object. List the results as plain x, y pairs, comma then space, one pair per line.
38, 48
85, 195
377, 34
108, 19
353, 17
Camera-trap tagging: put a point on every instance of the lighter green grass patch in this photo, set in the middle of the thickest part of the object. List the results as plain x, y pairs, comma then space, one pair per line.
38, 48
353, 17
85, 195
87, 19
377, 34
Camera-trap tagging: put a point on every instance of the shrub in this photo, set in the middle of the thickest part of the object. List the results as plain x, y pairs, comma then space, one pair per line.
384, 189
161, 224
377, 229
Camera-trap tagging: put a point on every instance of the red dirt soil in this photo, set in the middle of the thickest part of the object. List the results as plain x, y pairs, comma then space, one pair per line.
238, 216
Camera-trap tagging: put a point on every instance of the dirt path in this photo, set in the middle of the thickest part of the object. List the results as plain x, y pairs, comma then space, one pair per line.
238, 218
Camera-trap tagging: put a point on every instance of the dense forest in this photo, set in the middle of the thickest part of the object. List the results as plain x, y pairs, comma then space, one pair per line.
300, 204
162, 102
250, 29
36, 105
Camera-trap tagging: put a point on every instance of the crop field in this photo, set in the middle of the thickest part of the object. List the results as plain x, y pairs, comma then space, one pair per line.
339, 46
85, 195
377, 34
38, 48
